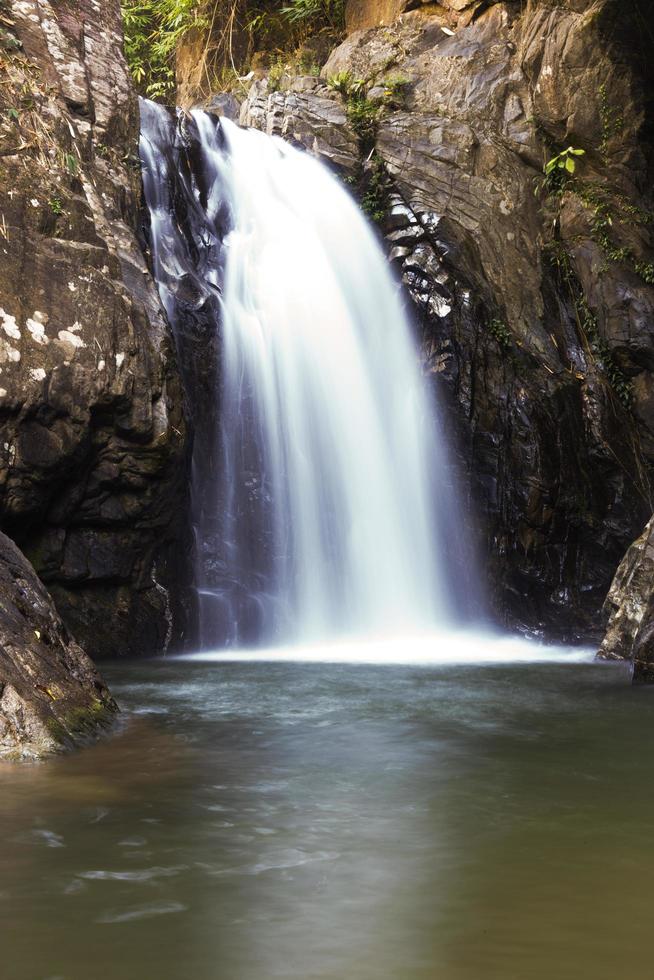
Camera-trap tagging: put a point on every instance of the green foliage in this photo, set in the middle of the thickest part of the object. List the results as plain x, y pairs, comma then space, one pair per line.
564, 161
362, 114
69, 161
646, 271
347, 85
557, 171
153, 29
499, 330
307, 64
8, 41
589, 329
611, 119
374, 200
56, 206
316, 13
395, 89
604, 211
275, 74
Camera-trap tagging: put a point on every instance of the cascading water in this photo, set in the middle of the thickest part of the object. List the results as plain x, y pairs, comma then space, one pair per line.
322, 497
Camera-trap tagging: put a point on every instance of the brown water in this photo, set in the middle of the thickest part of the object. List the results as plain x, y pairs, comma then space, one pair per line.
341, 822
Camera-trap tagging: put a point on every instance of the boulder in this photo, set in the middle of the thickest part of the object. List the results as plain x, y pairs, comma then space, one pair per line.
629, 608
93, 444
51, 695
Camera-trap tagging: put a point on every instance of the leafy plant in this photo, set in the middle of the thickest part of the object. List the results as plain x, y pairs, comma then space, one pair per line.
498, 329
347, 85
275, 74
374, 200
327, 13
646, 272
589, 329
8, 41
70, 163
611, 119
395, 88
565, 160
153, 28
307, 64
363, 115
56, 206
557, 170
605, 209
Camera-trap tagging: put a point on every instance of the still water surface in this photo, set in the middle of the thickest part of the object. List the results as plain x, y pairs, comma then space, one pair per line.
340, 821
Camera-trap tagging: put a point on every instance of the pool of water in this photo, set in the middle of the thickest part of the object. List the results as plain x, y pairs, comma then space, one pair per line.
340, 821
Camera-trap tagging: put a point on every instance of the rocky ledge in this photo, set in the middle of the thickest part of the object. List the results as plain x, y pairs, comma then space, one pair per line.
51, 695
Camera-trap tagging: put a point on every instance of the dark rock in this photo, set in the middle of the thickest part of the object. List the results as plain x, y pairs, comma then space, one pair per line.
224, 104
93, 444
51, 695
629, 608
304, 112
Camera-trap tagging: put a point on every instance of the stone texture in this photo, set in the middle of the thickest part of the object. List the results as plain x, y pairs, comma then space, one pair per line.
364, 14
92, 432
629, 607
302, 112
51, 695
529, 322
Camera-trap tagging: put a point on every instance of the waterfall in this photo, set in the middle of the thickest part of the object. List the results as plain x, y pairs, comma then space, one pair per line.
323, 504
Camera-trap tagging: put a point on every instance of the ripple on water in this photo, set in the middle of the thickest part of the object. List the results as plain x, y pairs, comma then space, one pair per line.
141, 912
147, 874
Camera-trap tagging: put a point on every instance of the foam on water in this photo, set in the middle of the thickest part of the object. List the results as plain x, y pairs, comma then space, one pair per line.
432, 649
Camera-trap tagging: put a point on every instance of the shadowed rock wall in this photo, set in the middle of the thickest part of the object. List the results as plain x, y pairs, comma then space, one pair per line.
93, 444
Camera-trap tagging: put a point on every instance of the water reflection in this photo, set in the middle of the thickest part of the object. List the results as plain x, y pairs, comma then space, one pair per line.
339, 822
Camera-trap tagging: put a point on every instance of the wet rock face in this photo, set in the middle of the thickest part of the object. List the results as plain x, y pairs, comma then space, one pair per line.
92, 434
51, 695
535, 302
629, 608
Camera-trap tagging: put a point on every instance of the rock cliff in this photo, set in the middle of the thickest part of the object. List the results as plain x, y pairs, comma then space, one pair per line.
51, 696
93, 443
534, 294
